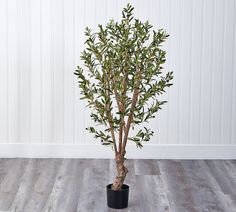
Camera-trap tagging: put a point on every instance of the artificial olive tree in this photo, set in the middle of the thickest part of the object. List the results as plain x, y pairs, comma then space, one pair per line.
121, 80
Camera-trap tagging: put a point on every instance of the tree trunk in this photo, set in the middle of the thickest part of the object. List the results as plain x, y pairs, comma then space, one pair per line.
121, 172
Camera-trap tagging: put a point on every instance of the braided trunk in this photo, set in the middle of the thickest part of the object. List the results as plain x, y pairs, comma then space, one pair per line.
121, 172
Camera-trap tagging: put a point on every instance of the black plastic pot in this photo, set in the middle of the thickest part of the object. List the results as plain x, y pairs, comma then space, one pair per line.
118, 199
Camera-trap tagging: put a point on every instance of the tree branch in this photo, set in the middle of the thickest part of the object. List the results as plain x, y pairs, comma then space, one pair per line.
130, 117
123, 93
110, 118
116, 94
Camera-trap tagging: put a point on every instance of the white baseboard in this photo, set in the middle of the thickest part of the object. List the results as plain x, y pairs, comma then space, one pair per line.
150, 151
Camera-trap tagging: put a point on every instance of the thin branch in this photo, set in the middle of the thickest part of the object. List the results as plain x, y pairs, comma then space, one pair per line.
130, 117
116, 94
110, 118
121, 110
123, 93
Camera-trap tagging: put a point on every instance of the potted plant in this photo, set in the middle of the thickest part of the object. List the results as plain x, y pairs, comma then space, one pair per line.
121, 81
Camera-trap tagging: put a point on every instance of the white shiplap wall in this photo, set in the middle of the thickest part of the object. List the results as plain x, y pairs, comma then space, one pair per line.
40, 44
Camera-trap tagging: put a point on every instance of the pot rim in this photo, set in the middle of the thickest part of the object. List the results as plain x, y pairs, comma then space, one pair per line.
125, 187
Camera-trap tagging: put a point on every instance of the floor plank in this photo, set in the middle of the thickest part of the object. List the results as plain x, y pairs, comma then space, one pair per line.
146, 167
177, 186
12, 171
79, 185
46, 173
92, 193
206, 192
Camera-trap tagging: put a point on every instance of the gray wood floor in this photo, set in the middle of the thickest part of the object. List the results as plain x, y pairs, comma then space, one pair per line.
73, 185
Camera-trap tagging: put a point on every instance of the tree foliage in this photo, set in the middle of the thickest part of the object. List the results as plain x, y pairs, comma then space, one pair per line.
123, 77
